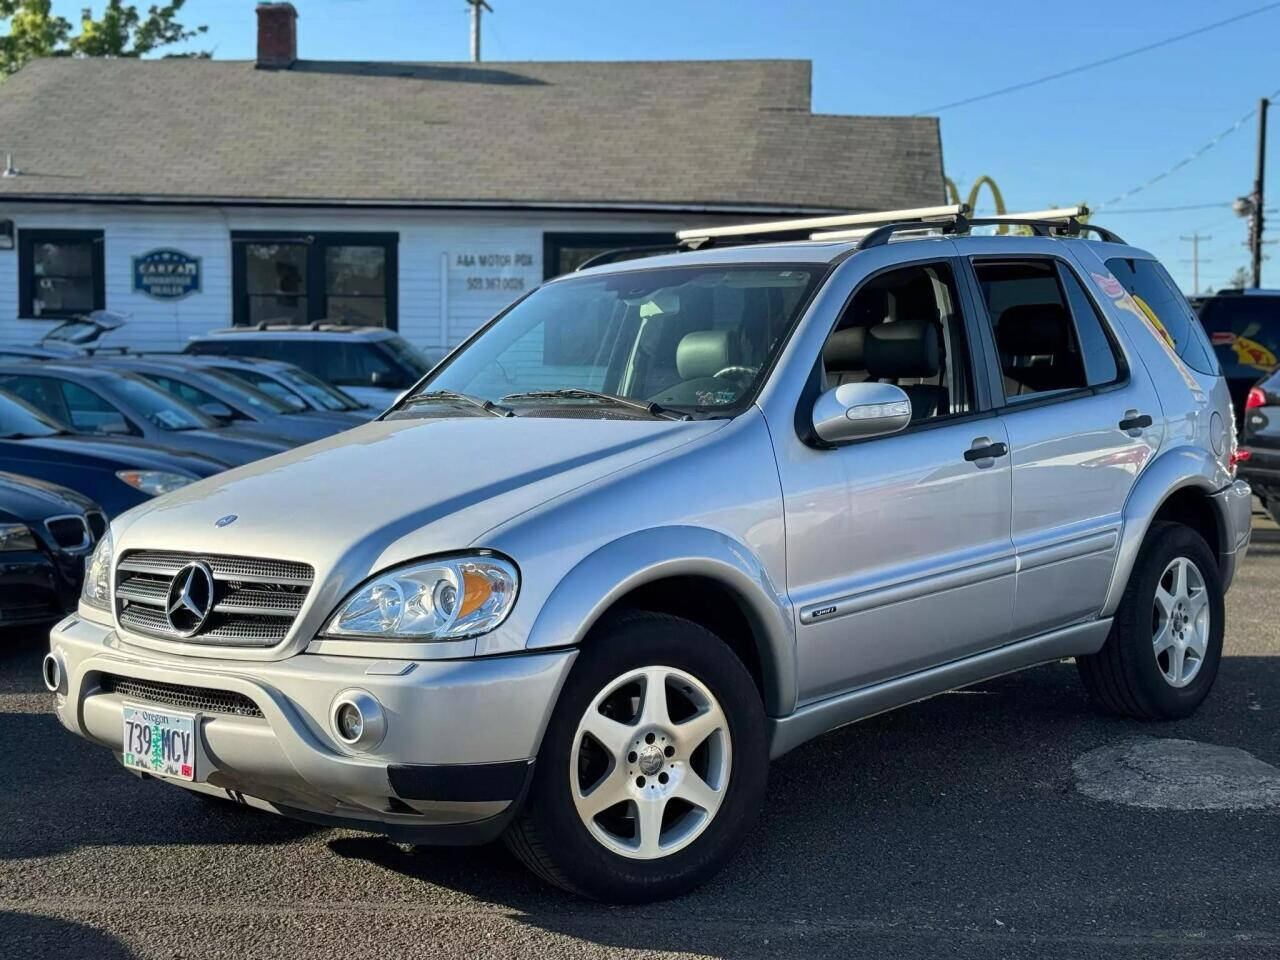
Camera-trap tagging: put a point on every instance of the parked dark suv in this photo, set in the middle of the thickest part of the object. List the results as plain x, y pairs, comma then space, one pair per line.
1244, 327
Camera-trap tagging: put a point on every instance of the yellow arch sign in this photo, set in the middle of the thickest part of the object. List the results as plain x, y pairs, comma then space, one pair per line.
953, 194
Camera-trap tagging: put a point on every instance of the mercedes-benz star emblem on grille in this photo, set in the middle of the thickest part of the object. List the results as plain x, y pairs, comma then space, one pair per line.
190, 599
226, 521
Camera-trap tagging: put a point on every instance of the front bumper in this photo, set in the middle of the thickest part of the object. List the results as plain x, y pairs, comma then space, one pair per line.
452, 766
1235, 506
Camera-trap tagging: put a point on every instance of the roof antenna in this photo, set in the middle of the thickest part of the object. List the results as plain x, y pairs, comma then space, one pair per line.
9, 169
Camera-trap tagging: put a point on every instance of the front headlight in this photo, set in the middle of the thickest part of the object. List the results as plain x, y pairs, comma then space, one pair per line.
16, 536
96, 591
154, 482
442, 599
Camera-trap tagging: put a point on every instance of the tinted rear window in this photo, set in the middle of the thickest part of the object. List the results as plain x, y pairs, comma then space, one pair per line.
1245, 332
1156, 293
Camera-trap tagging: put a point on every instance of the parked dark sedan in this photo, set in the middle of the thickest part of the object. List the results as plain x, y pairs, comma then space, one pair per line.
228, 399
116, 472
46, 532
96, 401
289, 384
1260, 443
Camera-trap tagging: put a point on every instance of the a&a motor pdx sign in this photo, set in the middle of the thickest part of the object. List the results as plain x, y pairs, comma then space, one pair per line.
166, 274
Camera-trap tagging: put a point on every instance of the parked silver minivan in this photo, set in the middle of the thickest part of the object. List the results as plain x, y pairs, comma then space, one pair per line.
665, 519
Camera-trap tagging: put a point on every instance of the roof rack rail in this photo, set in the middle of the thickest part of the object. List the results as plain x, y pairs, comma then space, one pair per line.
623, 253
804, 228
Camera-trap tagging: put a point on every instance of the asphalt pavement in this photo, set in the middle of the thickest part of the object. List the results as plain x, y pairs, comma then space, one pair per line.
1008, 820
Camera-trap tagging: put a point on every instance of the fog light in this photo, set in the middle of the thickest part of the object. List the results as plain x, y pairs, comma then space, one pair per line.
358, 719
350, 723
52, 672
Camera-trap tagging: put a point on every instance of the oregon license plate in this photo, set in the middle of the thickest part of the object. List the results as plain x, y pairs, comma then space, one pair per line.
160, 742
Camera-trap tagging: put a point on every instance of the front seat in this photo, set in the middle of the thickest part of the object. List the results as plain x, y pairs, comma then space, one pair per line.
700, 355
844, 357
906, 350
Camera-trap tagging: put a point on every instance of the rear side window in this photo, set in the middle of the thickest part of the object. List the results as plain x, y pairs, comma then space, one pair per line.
1160, 299
1245, 332
1100, 364
1047, 330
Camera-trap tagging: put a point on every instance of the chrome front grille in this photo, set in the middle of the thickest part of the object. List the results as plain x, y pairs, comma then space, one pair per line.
255, 601
198, 699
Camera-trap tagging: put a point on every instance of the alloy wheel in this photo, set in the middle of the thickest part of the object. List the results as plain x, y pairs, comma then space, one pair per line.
651, 762
1180, 622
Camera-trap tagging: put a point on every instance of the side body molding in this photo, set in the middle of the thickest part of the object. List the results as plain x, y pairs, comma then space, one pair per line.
620, 566
1177, 468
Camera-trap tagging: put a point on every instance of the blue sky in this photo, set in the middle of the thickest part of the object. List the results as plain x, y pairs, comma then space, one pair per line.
1089, 137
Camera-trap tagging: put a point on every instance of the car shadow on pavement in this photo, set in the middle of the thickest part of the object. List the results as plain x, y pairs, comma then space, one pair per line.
75, 794
32, 935
945, 823
21, 650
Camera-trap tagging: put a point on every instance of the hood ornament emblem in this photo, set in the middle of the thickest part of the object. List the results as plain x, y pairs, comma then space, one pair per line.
226, 521
190, 599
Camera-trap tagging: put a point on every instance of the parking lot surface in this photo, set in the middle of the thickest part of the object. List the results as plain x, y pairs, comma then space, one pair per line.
1009, 819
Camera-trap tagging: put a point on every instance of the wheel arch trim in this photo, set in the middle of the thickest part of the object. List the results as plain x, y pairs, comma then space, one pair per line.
1180, 468
598, 581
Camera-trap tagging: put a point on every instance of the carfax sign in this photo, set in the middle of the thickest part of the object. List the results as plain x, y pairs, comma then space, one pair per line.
166, 274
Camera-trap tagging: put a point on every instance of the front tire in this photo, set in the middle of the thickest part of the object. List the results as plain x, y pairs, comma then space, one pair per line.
1161, 657
653, 766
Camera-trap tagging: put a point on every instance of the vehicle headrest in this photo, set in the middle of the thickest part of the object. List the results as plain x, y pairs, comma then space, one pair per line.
845, 349
704, 353
1033, 328
903, 348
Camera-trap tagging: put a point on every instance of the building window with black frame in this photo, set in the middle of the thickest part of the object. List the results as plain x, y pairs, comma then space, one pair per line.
60, 273
348, 278
566, 252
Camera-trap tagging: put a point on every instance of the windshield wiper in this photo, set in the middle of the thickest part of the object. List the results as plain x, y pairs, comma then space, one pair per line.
578, 393
453, 396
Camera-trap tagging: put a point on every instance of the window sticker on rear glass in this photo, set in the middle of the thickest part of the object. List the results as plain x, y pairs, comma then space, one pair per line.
1250, 353
1123, 300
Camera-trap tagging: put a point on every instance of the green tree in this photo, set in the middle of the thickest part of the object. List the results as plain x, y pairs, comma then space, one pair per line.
121, 31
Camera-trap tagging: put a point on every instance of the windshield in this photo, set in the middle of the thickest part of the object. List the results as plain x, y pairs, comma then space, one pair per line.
277, 391
158, 407
697, 339
1245, 332
249, 395
407, 356
319, 392
19, 420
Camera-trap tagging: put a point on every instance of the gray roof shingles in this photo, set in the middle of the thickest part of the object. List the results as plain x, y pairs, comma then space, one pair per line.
731, 134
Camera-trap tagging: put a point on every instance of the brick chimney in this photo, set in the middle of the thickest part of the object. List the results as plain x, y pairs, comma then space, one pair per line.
277, 36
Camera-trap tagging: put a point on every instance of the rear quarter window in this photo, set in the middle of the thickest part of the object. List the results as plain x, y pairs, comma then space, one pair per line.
1159, 297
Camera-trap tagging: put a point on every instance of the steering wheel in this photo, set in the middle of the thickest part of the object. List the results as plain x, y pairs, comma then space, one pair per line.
735, 371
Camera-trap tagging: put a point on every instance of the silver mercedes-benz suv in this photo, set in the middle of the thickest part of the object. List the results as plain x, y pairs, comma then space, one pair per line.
664, 519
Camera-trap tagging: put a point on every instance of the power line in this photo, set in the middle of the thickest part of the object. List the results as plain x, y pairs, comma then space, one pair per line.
1103, 62
1193, 155
1185, 206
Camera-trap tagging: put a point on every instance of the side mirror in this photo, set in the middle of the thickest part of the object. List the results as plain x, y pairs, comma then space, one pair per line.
217, 410
855, 411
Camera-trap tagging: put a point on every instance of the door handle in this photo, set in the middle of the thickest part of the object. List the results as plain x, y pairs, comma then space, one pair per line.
1134, 421
984, 449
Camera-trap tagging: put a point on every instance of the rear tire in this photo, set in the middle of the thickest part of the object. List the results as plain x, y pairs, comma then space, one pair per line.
636, 798
1161, 657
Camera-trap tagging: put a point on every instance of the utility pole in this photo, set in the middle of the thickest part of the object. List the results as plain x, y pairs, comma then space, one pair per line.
1195, 261
476, 7
1256, 222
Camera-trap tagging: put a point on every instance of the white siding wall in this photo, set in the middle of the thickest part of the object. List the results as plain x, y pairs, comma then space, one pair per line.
441, 265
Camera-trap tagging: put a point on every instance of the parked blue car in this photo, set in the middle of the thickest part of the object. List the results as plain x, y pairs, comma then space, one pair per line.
117, 473
115, 402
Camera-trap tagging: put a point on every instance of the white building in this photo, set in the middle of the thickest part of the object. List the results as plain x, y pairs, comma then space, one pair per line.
194, 194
